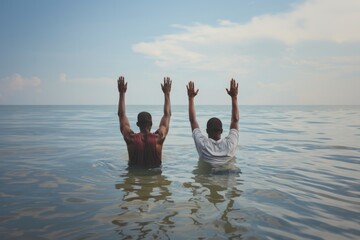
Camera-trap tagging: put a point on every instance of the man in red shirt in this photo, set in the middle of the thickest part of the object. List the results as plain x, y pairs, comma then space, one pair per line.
144, 148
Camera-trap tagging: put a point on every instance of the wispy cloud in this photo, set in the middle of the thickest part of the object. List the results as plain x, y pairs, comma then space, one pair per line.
64, 78
324, 90
204, 46
15, 83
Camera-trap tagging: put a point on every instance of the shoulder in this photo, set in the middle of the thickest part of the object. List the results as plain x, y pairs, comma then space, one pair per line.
196, 131
233, 134
129, 137
198, 136
160, 135
234, 131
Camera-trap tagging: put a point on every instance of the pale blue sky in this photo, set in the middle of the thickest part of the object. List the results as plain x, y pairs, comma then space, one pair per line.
280, 51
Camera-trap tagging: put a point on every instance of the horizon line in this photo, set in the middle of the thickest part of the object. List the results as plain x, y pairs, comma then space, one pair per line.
180, 105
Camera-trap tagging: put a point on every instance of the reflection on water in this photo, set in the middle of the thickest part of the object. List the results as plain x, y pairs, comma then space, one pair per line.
220, 191
206, 204
145, 192
216, 182
140, 184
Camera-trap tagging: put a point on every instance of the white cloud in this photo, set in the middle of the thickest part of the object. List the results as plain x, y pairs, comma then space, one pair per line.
197, 46
84, 90
337, 65
324, 90
15, 83
297, 57
63, 77
168, 52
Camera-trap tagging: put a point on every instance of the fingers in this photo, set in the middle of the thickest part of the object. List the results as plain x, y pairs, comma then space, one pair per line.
233, 90
122, 85
190, 86
166, 86
121, 79
191, 89
233, 84
167, 81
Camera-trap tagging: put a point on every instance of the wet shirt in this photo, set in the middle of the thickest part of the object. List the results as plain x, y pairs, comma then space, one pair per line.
144, 153
216, 152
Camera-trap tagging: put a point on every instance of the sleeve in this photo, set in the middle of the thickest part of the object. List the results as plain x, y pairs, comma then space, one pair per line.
198, 139
233, 138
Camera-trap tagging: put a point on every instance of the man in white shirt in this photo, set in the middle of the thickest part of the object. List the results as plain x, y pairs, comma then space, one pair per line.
213, 149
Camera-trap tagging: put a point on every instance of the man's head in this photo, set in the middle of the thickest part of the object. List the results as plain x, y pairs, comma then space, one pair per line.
214, 128
144, 120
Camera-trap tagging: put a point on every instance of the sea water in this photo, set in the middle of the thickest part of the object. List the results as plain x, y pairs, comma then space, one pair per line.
63, 175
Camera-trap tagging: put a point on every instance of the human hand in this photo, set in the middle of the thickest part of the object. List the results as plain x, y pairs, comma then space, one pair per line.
122, 85
191, 90
233, 92
166, 87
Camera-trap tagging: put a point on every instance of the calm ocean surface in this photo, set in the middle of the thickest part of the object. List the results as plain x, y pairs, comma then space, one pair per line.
63, 174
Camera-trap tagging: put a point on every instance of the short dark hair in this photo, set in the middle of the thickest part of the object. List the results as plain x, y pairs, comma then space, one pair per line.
214, 125
144, 119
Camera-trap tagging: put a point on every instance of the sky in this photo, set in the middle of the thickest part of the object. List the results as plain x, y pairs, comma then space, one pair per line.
282, 52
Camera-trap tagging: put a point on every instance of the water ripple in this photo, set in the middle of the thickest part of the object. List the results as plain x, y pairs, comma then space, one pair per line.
64, 176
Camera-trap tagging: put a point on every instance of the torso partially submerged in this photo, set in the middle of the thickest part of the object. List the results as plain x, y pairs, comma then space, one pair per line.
217, 153
144, 151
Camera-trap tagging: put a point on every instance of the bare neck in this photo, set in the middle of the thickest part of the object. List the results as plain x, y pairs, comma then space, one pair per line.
145, 130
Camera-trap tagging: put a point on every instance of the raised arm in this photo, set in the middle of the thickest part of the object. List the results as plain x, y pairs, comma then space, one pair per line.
123, 120
165, 120
233, 92
192, 114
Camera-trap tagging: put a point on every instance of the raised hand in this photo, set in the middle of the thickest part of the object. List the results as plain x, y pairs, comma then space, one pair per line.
233, 92
191, 90
122, 85
166, 87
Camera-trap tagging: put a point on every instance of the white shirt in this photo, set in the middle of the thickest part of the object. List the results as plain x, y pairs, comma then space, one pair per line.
216, 152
